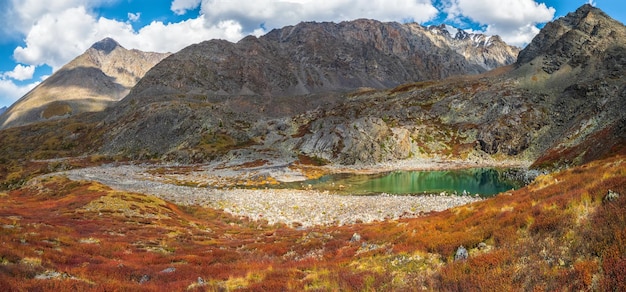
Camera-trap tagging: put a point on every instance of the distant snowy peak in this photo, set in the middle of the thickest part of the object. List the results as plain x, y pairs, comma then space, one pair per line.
489, 52
479, 40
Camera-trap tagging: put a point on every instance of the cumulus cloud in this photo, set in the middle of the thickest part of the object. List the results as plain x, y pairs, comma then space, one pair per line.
20, 72
58, 31
64, 29
514, 20
132, 17
181, 7
57, 38
273, 14
10, 92
172, 37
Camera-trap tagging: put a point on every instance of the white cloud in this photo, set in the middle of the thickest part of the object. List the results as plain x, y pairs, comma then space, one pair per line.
20, 72
514, 20
60, 30
132, 17
275, 14
58, 38
25, 13
10, 92
172, 37
181, 7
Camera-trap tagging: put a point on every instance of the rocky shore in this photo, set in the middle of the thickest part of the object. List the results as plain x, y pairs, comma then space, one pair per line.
301, 208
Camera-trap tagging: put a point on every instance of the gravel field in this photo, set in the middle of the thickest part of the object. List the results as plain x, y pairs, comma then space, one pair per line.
297, 207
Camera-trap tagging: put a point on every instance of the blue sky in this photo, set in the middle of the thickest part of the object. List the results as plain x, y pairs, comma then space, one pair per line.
38, 37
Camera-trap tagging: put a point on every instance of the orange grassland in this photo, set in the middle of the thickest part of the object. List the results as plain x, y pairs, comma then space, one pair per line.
558, 233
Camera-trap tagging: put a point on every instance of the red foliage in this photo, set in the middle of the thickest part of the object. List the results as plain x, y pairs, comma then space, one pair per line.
536, 241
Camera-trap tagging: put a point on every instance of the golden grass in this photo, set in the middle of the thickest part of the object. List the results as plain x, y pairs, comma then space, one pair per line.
56, 109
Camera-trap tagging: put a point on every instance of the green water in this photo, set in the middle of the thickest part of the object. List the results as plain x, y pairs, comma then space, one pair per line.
485, 182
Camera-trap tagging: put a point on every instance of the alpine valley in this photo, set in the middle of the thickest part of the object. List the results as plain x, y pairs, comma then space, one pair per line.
128, 170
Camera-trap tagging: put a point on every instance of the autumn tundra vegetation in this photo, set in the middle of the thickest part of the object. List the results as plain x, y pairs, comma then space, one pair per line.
558, 112
564, 231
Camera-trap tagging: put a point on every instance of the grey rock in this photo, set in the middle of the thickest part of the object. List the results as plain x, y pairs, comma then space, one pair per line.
320, 57
168, 270
611, 196
200, 281
144, 279
461, 254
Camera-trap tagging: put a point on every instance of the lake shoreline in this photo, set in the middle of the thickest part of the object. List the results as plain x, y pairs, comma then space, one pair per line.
212, 185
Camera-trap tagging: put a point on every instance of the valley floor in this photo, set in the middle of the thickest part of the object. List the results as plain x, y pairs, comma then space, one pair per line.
308, 207
212, 186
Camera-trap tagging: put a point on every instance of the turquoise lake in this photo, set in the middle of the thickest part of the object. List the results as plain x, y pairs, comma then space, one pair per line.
485, 182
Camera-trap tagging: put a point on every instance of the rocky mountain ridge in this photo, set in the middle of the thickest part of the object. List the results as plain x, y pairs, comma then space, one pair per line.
519, 112
101, 76
311, 58
489, 52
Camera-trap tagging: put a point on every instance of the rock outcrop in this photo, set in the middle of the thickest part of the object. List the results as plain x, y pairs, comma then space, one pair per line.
101, 76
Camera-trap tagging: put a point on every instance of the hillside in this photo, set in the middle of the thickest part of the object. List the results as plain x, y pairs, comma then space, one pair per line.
167, 189
521, 112
98, 78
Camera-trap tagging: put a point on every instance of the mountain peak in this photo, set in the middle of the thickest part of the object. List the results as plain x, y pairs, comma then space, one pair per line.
106, 45
574, 39
585, 9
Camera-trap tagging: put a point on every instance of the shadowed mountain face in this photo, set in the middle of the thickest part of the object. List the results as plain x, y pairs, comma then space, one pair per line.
282, 95
94, 80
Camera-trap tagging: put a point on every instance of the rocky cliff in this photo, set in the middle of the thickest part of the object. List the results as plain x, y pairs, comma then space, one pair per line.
101, 76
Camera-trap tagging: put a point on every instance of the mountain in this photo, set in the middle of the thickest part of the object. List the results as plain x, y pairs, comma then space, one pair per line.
2, 109
578, 63
283, 95
101, 76
289, 71
489, 52
322, 57
222, 101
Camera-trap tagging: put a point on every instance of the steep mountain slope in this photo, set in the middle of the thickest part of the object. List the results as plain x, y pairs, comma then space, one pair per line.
3, 109
519, 113
101, 76
287, 72
578, 63
322, 57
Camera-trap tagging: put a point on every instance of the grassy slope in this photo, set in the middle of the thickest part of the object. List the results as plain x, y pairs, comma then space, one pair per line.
557, 233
